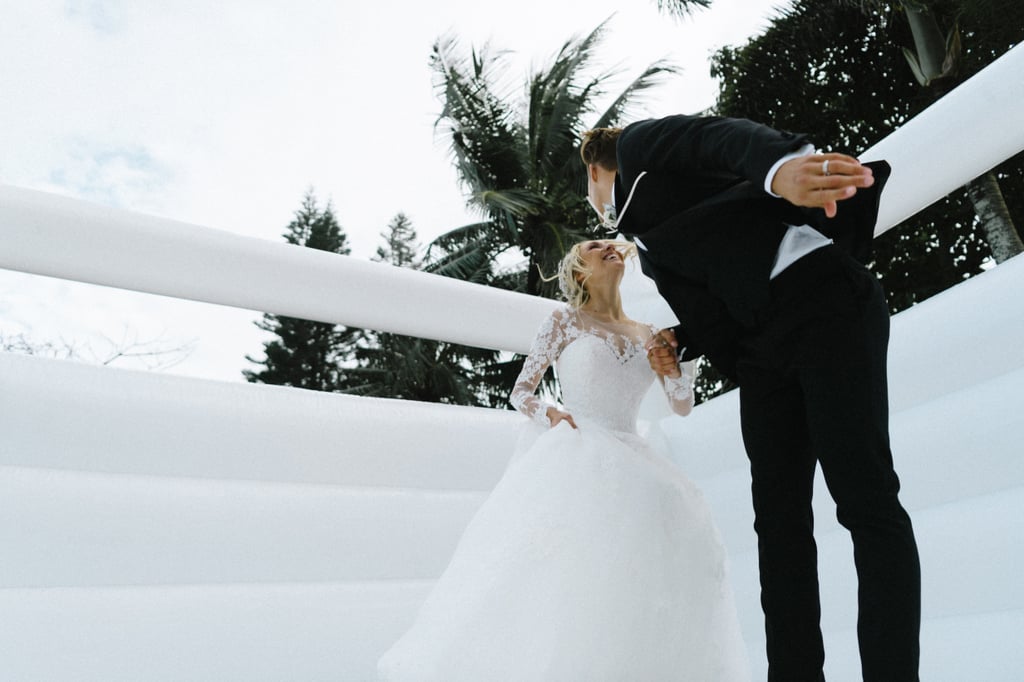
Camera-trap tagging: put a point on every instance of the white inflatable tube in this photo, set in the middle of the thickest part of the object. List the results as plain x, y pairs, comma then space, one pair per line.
975, 127
51, 235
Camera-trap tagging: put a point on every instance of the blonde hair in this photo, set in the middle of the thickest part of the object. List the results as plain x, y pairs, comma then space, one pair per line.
574, 287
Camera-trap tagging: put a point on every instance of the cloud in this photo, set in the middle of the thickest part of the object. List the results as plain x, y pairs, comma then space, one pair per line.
122, 176
103, 16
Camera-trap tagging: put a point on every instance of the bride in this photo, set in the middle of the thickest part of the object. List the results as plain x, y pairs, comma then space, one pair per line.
595, 558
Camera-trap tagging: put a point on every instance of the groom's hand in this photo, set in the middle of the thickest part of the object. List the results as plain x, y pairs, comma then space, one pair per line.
820, 180
661, 354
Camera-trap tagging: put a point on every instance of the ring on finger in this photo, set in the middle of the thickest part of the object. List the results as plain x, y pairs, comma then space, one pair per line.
824, 167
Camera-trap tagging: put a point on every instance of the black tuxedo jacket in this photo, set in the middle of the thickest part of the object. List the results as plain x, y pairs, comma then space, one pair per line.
711, 230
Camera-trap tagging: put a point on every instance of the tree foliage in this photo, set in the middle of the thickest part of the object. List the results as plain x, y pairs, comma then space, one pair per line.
307, 354
397, 366
400, 245
681, 8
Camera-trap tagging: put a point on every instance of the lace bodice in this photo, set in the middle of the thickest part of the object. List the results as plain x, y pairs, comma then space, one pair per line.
601, 367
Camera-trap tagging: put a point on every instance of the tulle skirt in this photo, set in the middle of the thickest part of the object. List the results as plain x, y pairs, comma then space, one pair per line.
593, 559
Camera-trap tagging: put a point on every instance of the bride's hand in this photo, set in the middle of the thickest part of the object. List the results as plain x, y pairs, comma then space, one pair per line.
661, 354
556, 415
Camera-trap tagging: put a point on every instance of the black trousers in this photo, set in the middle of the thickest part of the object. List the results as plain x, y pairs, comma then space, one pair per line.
813, 391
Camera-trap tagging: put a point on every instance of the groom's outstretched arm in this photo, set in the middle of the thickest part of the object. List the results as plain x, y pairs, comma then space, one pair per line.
692, 146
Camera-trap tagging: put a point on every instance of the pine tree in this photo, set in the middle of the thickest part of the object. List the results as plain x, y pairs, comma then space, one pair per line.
400, 245
307, 354
410, 368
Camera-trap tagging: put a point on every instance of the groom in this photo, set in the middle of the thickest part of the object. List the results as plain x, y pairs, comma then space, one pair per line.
757, 244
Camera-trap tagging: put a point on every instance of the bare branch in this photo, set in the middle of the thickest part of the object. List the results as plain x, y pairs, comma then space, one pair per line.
154, 354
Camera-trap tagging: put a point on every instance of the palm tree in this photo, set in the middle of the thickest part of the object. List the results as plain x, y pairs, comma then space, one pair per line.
518, 160
410, 368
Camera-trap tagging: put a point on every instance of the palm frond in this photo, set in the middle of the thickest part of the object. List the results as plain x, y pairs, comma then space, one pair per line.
471, 262
511, 279
484, 136
682, 8
458, 237
630, 96
558, 103
519, 160
519, 202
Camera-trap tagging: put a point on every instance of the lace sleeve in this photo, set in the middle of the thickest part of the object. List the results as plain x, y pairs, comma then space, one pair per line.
547, 345
679, 390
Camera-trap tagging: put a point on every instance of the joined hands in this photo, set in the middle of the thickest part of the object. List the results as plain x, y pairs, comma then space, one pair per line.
661, 354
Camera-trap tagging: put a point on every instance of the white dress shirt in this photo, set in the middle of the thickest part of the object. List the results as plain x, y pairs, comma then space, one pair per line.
799, 240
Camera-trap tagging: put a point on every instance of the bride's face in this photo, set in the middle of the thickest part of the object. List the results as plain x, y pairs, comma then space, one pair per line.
603, 258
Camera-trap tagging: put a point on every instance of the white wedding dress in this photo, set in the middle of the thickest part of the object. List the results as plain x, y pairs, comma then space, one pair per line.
594, 559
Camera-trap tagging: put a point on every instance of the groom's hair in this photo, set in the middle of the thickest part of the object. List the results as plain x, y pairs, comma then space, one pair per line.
599, 147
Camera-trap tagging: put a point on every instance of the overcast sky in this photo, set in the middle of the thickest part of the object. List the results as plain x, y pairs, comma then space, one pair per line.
224, 113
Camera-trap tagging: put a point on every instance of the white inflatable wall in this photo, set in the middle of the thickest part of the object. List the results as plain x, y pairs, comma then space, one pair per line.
162, 528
